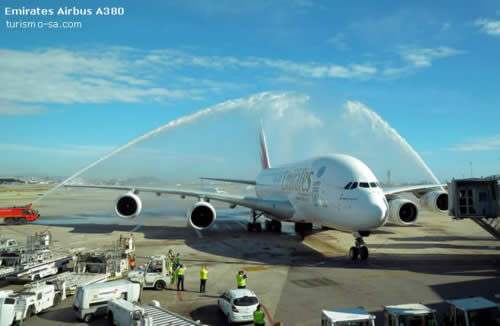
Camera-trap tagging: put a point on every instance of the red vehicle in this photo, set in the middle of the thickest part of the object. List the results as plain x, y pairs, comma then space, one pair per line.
19, 215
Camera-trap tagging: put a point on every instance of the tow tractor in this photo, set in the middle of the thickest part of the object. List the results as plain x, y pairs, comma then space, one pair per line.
19, 214
409, 314
475, 311
156, 275
351, 317
18, 306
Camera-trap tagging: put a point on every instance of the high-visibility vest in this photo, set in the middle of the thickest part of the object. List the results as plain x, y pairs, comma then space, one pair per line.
180, 271
241, 280
203, 274
177, 260
259, 317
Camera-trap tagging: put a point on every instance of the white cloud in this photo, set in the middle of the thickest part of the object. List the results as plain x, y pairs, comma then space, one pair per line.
64, 77
424, 57
478, 144
489, 26
418, 58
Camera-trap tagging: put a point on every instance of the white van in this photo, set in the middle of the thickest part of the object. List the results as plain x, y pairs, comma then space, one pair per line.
91, 300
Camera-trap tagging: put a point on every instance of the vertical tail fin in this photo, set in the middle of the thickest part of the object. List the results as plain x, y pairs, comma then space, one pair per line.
264, 156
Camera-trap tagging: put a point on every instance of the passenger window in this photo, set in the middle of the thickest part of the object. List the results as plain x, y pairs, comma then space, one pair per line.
373, 184
347, 186
354, 185
364, 185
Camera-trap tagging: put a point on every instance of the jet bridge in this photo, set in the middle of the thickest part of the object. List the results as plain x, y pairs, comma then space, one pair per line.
477, 199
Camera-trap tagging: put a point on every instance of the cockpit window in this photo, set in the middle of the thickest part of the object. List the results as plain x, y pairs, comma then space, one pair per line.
373, 184
354, 185
347, 186
364, 185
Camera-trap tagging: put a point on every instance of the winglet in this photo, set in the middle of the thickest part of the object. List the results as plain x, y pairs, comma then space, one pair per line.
264, 156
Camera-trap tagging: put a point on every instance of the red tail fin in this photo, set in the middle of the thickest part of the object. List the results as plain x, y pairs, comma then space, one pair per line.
264, 156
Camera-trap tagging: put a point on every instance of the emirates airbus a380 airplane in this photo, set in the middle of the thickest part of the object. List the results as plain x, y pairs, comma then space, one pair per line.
335, 191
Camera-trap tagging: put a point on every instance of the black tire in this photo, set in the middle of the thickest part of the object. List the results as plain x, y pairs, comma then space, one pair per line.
250, 227
110, 318
30, 312
9, 220
353, 253
363, 253
57, 299
21, 220
160, 285
258, 227
276, 227
87, 318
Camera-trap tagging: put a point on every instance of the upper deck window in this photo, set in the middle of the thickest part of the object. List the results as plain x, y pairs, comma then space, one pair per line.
364, 185
354, 185
347, 186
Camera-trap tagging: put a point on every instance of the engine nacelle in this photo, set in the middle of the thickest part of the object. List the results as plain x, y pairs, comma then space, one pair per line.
201, 216
436, 201
128, 205
403, 211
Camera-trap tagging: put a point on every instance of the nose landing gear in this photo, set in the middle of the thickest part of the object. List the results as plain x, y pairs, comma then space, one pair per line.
360, 250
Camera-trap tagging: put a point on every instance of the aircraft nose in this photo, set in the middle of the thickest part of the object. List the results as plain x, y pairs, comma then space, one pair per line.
378, 214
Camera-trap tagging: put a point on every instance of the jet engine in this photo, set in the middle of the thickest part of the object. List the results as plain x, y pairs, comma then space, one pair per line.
201, 216
128, 205
402, 211
436, 201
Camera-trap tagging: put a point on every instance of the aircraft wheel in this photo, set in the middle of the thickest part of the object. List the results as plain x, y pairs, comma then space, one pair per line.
363, 253
258, 227
353, 253
276, 227
250, 227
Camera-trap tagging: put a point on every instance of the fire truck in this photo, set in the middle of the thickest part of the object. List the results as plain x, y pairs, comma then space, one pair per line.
19, 214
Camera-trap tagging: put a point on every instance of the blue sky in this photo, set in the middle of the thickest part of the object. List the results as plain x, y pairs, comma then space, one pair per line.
431, 71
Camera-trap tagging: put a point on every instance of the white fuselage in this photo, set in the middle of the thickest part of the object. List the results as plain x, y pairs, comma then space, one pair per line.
315, 188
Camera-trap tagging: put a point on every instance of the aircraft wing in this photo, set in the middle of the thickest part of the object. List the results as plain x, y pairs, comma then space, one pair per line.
417, 190
248, 182
279, 209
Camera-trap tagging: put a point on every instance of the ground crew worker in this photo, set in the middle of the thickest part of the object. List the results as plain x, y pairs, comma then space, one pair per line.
131, 262
174, 277
241, 279
177, 261
259, 317
203, 278
180, 277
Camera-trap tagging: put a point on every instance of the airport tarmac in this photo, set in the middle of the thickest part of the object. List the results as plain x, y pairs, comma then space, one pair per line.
435, 260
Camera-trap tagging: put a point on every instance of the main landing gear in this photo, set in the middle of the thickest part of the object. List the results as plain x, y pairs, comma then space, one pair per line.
360, 250
271, 225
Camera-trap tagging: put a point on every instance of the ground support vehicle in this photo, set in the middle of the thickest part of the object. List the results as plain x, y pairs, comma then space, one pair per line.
156, 274
8, 244
238, 305
74, 280
114, 261
409, 314
352, 317
476, 311
34, 265
92, 300
17, 306
124, 313
18, 214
